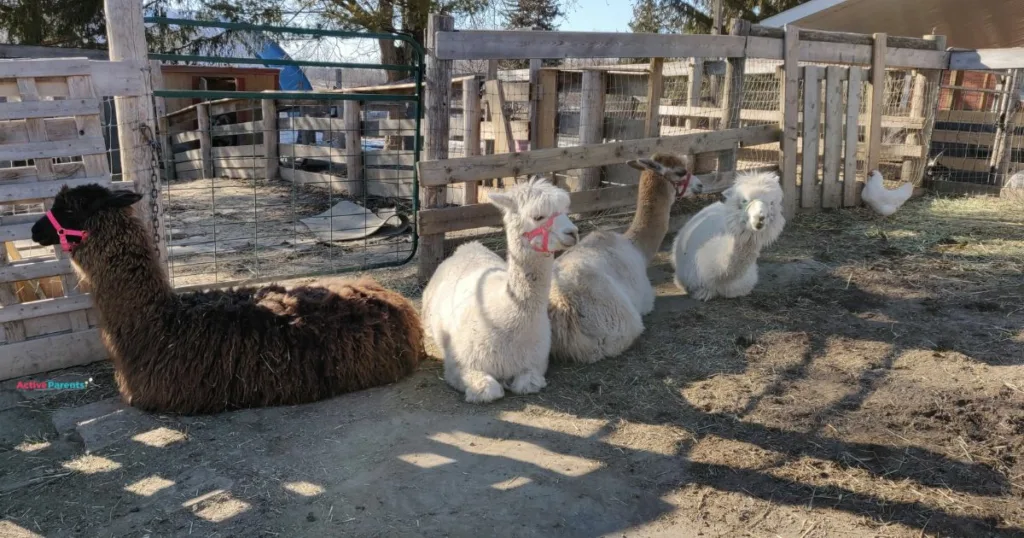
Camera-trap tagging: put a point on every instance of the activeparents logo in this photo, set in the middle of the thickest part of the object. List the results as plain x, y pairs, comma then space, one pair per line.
53, 385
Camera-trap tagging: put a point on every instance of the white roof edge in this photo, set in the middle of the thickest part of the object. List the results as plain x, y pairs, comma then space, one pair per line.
799, 12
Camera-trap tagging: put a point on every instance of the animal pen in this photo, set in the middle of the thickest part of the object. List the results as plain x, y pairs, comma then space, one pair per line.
247, 186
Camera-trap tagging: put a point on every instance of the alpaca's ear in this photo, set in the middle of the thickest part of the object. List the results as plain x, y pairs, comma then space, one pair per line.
647, 164
119, 199
503, 202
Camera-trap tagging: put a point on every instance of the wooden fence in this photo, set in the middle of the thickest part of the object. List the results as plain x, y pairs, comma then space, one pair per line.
837, 116
52, 111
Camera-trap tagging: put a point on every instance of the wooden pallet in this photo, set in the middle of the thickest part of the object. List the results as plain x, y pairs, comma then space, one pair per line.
54, 113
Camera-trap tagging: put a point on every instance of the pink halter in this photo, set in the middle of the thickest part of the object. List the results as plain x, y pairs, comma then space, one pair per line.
544, 230
62, 233
681, 186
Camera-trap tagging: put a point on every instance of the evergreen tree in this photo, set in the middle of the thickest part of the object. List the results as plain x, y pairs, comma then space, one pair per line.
646, 17
527, 14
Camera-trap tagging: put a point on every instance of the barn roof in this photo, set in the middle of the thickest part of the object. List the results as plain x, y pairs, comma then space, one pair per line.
977, 24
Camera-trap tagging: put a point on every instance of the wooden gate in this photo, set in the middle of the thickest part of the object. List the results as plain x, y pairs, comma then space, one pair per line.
51, 113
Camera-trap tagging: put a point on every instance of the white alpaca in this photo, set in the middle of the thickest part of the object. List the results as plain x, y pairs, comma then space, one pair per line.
490, 318
715, 254
601, 289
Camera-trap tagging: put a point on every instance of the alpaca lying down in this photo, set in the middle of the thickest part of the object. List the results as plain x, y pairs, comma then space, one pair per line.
489, 316
600, 289
715, 254
217, 350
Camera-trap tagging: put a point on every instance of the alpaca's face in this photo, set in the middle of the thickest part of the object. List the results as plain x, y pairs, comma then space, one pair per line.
74, 207
758, 197
674, 172
538, 212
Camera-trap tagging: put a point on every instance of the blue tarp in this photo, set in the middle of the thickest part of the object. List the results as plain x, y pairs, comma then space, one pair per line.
292, 78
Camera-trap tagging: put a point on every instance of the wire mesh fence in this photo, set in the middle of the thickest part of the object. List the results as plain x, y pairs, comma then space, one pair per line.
252, 199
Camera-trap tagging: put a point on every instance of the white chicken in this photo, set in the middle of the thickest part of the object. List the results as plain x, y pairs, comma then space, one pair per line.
885, 202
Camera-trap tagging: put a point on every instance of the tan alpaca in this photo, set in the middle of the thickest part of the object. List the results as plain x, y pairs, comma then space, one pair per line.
600, 289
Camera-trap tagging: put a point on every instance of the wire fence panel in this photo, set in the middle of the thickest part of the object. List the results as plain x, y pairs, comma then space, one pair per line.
272, 184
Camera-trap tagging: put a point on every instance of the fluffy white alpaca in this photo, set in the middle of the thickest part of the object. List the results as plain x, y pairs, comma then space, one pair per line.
715, 254
490, 317
601, 288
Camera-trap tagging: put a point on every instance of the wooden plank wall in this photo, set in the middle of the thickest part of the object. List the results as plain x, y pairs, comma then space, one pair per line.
51, 111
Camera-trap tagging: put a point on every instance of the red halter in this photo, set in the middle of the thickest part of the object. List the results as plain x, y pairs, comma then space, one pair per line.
62, 233
544, 230
681, 186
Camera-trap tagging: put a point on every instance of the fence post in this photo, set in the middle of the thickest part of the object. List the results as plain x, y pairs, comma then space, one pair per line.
732, 99
655, 88
933, 78
471, 131
136, 119
789, 111
205, 139
875, 102
914, 137
270, 138
591, 123
436, 125
354, 148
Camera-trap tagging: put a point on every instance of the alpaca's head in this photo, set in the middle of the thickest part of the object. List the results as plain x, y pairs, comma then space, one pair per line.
756, 200
76, 210
675, 178
537, 212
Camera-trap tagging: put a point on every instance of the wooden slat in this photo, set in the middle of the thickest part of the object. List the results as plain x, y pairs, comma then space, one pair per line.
972, 116
311, 124
185, 137
13, 331
44, 150
903, 122
51, 353
983, 59
448, 171
523, 45
32, 68
388, 158
655, 89
335, 155
61, 170
810, 191
964, 164
843, 37
16, 232
975, 138
238, 151
241, 173
48, 109
855, 87
16, 132
45, 307
520, 129
34, 270
249, 127
326, 181
832, 193
843, 53
230, 162
389, 127
40, 190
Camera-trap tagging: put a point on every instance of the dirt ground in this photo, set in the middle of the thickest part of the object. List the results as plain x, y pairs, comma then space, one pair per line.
872, 385
225, 230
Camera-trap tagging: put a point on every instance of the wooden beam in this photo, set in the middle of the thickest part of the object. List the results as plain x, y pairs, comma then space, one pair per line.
352, 112
895, 42
810, 191
875, 104
437, 99
39, 355
443, 172
205, 140
525, 44
982, 59
591, 124
732, 98
790, 108
831, 190
271, 138
470, 131
655, 89
855, 87
126, 40
48, 109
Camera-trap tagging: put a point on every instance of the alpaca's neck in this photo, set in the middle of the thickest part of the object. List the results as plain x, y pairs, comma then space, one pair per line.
122, 268
650, 224
529, 274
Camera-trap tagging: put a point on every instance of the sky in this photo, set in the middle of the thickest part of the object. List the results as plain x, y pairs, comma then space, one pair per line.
599, 16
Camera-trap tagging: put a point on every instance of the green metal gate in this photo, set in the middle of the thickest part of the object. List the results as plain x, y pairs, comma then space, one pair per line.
246, 199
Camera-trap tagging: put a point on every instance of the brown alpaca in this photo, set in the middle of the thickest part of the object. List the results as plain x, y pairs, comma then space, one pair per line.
218, 350
662, 177
600, 290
